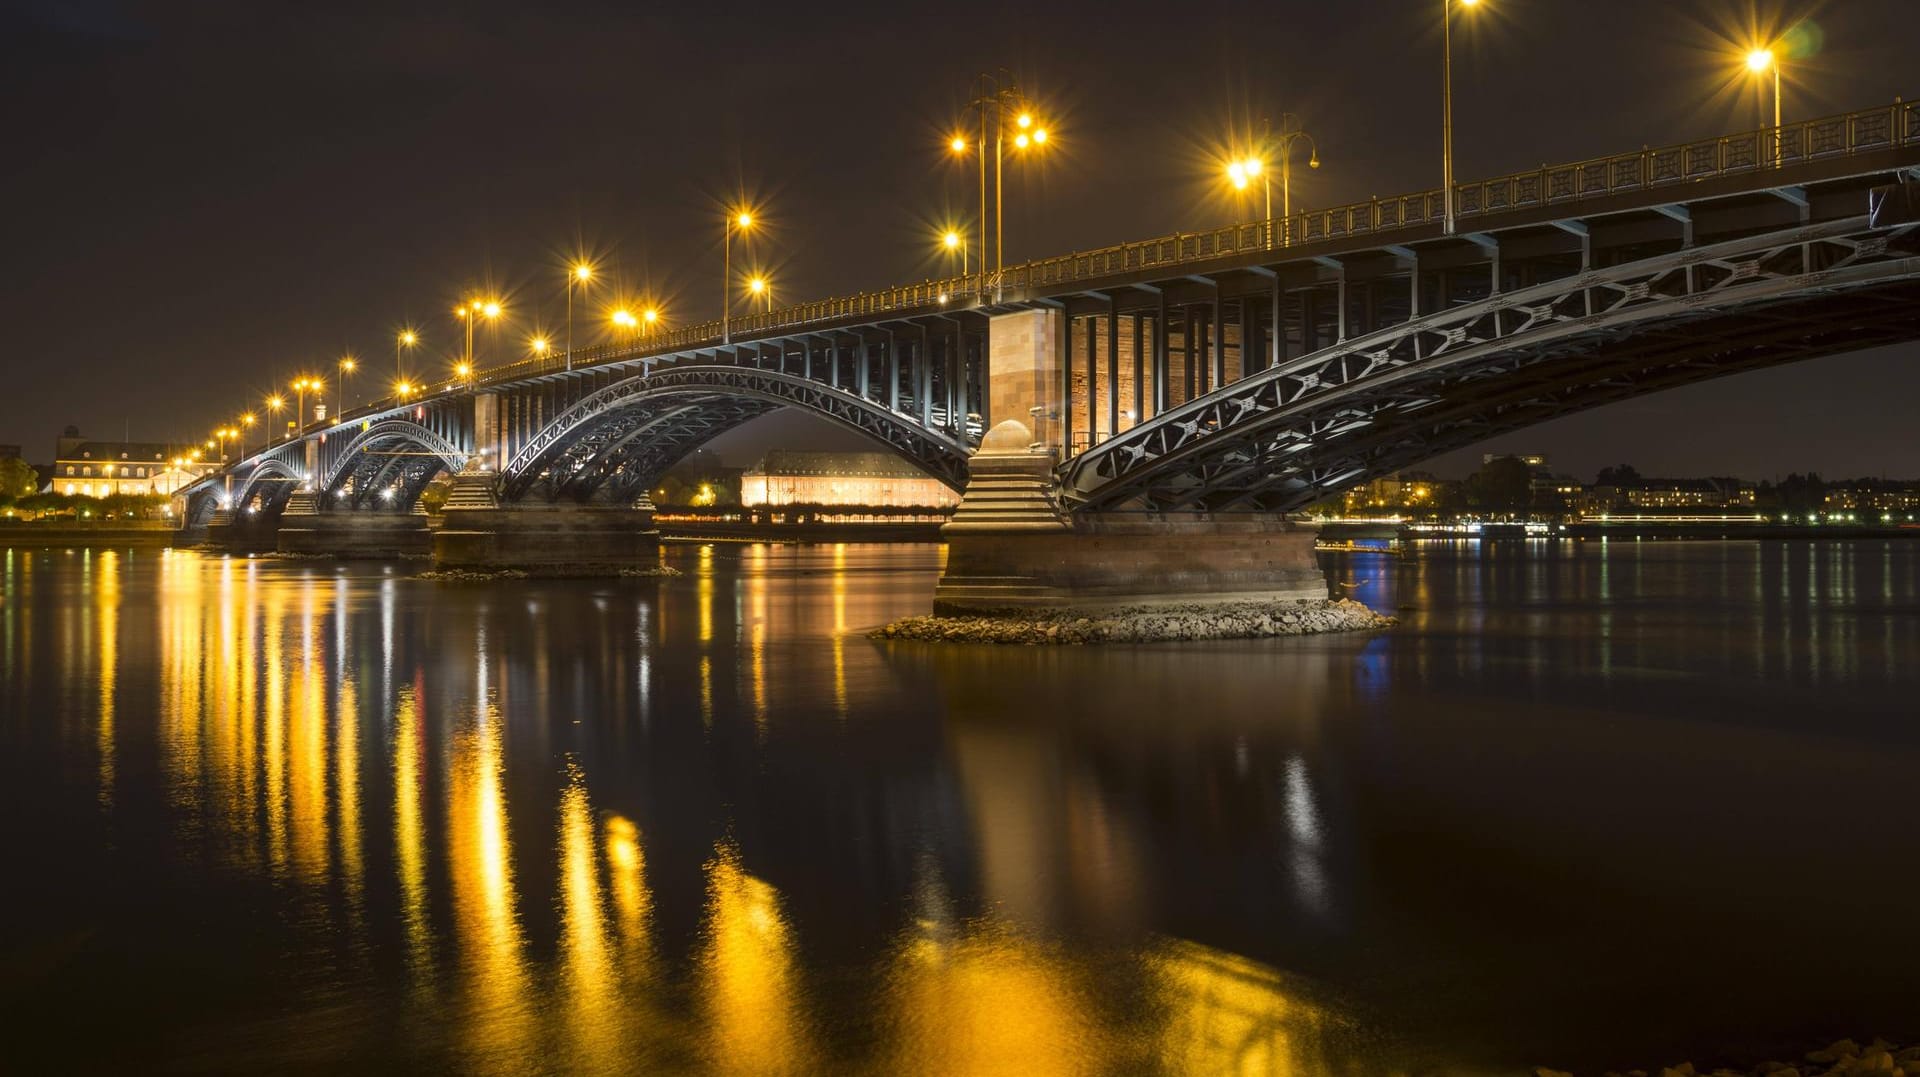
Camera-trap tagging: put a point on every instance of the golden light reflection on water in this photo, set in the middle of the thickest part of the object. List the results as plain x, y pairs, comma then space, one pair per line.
498, 990
748, 982
106, 593
593, 1011
1223, 1013
632, 901
410, 832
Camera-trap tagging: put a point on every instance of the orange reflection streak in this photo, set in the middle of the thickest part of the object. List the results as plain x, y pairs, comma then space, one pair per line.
840, 628
346, 770
106, 596
991, 1002
594, 1013
409, 833
184, 718
632, 902
746, 973
757, 635
1228, 1014
273, 719
500, 1031
306, 722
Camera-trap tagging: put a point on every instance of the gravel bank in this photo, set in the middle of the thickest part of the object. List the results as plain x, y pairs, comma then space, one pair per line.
1144, 624
1842, 1059
553, 572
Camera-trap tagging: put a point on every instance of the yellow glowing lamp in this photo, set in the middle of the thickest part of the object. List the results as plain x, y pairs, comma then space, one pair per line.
624, 319
491, 310
650, 315
1759, 60
958, 145
757, 285
583, 272
744, 221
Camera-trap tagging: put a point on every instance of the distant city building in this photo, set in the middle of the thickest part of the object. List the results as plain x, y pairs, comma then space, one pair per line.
1668, 494
89, 468
1873, 497
787, 477
1413, 491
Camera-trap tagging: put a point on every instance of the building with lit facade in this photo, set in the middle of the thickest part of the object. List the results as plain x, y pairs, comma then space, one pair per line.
85, 467
842, 479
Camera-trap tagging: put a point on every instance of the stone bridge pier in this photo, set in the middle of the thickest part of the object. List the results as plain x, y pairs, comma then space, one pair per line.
1013, 545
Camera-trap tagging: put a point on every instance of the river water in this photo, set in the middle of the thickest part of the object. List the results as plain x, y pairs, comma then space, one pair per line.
1590, 805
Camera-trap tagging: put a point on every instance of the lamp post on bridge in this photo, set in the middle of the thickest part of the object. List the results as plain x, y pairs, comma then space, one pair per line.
996, 99
1446, 104
579, 275
742, 220
407, 339
347, 366
1761, 61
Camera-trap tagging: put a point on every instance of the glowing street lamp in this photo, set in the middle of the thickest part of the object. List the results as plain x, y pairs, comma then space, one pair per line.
489, 309
579, 276
996, 100
1760, 62
403, 388
539, 347
300, 387
347, 366
759, 288
246, 422
624, 319
407, 339
1446, 103
953, 241
742, 220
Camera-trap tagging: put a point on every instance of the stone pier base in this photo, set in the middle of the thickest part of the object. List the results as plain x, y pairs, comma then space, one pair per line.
1126, 560
243, 532
546, 539
356, 534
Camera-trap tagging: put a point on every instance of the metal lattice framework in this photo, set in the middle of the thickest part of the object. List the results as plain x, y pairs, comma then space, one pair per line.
630, 432
390, 455
1290, 435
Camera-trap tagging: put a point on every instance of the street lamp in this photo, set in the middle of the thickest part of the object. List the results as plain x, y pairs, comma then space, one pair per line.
489, 309
276, 404
538, 346
758, 287
742, 220
1446, 103
347, 366
246, 420
300, 387
996, 99
624, 319
403, 388
1760, 62
407, 339
580, 275
954, 241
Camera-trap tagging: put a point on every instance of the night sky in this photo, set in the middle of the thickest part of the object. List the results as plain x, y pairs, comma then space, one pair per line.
204, 200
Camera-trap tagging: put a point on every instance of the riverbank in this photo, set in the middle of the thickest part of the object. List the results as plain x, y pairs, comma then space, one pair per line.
1844, 1058
1143, 624
106, 533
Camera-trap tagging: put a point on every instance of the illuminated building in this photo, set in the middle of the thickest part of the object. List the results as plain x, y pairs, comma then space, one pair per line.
838, 479
89, 468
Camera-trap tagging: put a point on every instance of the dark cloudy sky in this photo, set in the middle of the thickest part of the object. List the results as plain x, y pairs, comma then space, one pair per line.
203, 199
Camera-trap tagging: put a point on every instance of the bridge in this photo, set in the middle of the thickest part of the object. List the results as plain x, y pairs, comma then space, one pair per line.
1184, 392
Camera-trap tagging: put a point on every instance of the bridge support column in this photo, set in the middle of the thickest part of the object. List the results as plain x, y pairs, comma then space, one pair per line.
370, 535
242, 532
1009, 548
478, 533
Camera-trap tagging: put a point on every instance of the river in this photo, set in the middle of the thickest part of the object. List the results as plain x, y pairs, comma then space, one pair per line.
1590, 805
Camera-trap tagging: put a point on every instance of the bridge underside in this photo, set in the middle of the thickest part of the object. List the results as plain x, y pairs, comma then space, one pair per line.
1295, 434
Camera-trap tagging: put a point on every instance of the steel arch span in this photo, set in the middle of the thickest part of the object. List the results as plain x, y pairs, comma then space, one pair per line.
389, 455
620, 439
1295, 433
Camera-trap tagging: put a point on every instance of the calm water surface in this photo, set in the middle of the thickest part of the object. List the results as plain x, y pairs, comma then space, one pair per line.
1593, 805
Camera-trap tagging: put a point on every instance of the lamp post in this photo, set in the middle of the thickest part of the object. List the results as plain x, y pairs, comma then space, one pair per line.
347, 366
246, 420
759, 288
1760, 62
407, 339
275, 405
300, 387
742, 220
954, 241
1446, 104
996, 99
579, 276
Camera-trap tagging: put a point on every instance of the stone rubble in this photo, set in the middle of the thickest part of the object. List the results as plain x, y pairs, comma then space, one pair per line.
1143, 624
552, 572
1844, 1058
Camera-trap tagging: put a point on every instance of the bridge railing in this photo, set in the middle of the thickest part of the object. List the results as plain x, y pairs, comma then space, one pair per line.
1747, 152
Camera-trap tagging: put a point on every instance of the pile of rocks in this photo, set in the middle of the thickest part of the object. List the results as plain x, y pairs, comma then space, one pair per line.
460, 575
1843, 1059
1144, 624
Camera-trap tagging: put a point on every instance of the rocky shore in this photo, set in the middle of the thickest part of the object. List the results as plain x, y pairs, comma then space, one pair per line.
1842, 1059
555, 572
1143, 624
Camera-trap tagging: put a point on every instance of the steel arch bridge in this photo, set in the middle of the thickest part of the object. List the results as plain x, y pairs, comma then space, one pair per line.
1261, 366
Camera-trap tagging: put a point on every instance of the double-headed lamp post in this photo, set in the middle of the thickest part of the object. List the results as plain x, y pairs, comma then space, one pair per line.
996, 100
489, 309
300, 387
1446, 104
741, 220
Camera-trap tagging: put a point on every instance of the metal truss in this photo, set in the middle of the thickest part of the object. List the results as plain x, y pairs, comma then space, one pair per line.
1295, 433
390, 455
633, 430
